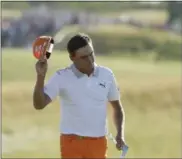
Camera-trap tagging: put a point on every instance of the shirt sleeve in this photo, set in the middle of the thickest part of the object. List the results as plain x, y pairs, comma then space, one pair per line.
114, 93
52, 87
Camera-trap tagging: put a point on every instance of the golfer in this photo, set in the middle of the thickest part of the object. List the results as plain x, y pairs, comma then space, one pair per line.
84, 88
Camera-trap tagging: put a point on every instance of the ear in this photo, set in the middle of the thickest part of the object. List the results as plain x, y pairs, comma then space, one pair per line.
71, 57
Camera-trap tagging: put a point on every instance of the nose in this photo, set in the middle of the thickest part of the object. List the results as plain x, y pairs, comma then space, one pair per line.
90, 59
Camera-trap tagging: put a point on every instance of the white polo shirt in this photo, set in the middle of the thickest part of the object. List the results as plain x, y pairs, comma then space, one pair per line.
83, 99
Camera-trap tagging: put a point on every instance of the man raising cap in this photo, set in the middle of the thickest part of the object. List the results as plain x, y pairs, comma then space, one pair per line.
84, 88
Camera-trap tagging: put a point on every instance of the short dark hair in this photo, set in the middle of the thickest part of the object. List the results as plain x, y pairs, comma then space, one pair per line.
77, 41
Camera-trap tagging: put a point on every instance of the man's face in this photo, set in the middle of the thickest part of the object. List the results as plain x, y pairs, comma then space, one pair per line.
84, 57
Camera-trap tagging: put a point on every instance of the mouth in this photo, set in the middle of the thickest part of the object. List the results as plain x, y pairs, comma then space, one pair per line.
91, 65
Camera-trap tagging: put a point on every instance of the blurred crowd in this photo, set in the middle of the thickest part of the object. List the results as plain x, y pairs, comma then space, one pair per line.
22, 31
38, 21
35, 22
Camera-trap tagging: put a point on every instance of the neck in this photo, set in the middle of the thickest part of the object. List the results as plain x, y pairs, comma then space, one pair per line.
84, 71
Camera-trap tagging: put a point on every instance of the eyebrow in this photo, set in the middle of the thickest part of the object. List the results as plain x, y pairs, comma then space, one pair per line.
91, 52
88, 54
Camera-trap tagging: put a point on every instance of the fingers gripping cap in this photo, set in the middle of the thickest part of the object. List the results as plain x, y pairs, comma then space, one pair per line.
50, 48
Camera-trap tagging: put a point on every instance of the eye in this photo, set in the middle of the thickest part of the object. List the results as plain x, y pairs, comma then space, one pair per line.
84, 57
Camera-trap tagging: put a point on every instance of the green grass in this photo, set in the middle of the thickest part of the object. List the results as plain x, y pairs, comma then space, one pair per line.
150, 96
150, 16
10, 13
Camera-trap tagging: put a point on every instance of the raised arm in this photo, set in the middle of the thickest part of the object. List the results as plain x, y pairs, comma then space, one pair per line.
40, 98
